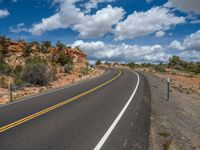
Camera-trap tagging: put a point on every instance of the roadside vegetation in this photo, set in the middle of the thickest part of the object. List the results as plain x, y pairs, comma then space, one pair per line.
39, 67
175, 64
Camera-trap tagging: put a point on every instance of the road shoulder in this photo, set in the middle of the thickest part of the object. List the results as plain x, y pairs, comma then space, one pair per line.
174, 123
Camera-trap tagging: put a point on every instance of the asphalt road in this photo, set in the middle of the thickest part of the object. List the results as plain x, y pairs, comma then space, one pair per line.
111, 112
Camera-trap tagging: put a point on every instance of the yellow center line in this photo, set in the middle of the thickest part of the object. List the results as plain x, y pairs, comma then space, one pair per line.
30, 117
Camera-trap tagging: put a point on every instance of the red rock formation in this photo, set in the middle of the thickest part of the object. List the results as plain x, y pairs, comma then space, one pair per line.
16, 46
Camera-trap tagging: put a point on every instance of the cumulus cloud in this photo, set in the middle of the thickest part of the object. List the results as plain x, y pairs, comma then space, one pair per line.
122, 52
189, 6
107, 20
4, 13
144, 23
100, 23
160, 34
191, 42
94, 3
69, 16
19, 28
176, 45
133, 53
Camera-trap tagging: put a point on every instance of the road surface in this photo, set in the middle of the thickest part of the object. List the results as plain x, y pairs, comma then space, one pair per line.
110, 112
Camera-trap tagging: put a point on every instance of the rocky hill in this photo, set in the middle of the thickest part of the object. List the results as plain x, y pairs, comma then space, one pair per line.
33, 67
15, 53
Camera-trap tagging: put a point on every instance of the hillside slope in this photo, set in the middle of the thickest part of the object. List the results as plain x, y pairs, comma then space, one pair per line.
30, 68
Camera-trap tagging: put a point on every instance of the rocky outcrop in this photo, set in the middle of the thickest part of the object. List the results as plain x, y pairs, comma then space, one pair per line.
16, 46
15, 53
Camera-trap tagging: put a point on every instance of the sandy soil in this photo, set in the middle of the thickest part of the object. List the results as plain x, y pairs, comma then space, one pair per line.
175, 124
63, 80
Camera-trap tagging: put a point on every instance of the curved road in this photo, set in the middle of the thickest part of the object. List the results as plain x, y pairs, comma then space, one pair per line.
110, 112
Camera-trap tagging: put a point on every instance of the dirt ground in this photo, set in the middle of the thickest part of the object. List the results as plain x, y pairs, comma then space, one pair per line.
175, 124
63, 80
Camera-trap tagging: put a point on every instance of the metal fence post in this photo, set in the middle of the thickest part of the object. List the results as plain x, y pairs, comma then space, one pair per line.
168, 88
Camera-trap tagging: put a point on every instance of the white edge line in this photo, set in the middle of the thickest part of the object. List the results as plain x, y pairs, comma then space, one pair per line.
108, 132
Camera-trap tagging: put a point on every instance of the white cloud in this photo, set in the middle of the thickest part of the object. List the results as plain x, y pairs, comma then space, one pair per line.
122, 52
4, 13
100, 23
191, 42
69, 16
94, 3
160, 34
19, 28
188, 49
190, 6
144, 23
176, 45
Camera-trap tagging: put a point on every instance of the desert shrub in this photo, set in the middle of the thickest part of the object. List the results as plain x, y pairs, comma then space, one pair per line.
173, 72
3, 82
64, 59
5, 68
107, 63
3, 46
54, 72
68, 67
17, 71
18, 83
174, 61
85, 70
45, 46
98, 62
195, 68
35, 60
159, 68
27, 50
36, 72
131, 65
60, 46
179, 67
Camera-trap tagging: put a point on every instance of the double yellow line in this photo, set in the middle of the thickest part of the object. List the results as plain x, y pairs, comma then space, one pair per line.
30, 117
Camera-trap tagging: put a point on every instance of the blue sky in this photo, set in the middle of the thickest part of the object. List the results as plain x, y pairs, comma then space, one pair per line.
110, 30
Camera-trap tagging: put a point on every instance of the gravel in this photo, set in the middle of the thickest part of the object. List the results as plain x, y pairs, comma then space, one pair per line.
175, 124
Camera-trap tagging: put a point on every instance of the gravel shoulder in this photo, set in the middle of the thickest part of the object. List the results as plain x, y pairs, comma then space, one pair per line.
175, 124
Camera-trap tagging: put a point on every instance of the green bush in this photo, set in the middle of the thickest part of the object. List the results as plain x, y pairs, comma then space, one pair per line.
36, 72
68, 68
18, 70
85, 70
98, 62
45, 46
18, 83
64, 59
131, 65
27, 50
35, 60
3, 82
60, 46
5, 68
159, 68
4, 41
174, 61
